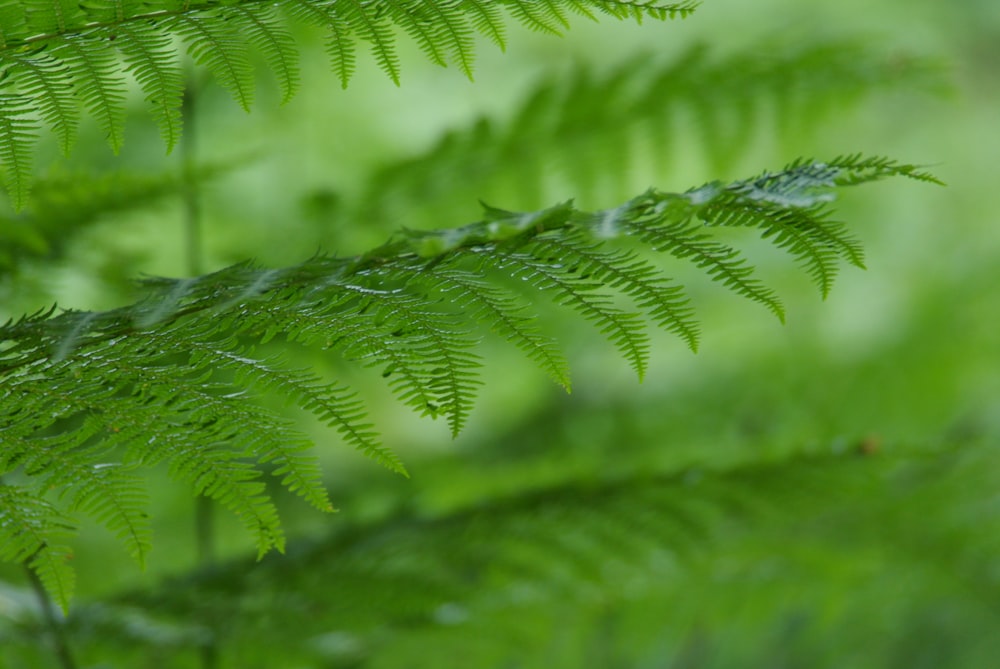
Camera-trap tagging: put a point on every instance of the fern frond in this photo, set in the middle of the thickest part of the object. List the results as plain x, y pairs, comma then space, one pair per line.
373, 28
625, 330
108, 492
442, 29
602, 543
789, 208
447, 381
56, 52
340, 45
219, 47
857, 169
301, 473
127, 388
275, 43
224, 477
150, 56
500, 312
33, 532
588, 130
116, 498
726, 265
543, 16
98, 81
46, 81
665, 304
17, 134
484, 15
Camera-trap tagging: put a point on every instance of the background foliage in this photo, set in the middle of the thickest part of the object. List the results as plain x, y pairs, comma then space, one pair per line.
818, 494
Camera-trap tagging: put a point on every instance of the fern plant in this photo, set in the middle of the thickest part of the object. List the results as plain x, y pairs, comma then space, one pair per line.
182, 358
57, 56
91, 399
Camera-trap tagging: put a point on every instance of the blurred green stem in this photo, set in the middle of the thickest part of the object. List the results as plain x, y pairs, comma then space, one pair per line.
204, 520
204, 513
192, 206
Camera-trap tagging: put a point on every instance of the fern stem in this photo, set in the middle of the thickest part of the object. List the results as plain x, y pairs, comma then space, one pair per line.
203, 518
53, 625
204, 530
192, 205
204, 511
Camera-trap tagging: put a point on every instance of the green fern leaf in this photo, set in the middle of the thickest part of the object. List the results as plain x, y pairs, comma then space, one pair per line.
58, 50
45, 79
625, 330
274, 43
723, 263
376, 31
17, 134
32, 532
217, 45
98, 83
224, 477
856, 169
53, 16
446, 383
340, 46
107, 492
110, 494
666, 305
543, 16
485, 17
335, 405
500, 312
456, 36
419, 28
151, 57
182, 363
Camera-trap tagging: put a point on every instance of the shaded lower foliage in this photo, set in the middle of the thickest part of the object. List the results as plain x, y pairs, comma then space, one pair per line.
693, 565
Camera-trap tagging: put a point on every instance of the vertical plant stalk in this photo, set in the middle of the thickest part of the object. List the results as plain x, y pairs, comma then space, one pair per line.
192, 205
204, 512
204, 517
53, 625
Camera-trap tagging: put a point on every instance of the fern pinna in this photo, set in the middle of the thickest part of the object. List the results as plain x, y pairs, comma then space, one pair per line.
89, 399
58, 54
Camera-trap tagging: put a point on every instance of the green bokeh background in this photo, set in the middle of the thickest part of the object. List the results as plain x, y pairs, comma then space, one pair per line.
891, 384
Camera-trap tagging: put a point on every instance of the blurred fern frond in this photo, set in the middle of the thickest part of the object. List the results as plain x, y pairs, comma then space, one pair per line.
657, 557
587, 131
56, 56
119, 390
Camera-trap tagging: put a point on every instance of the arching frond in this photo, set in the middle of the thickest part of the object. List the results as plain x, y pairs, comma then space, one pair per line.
127, 388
